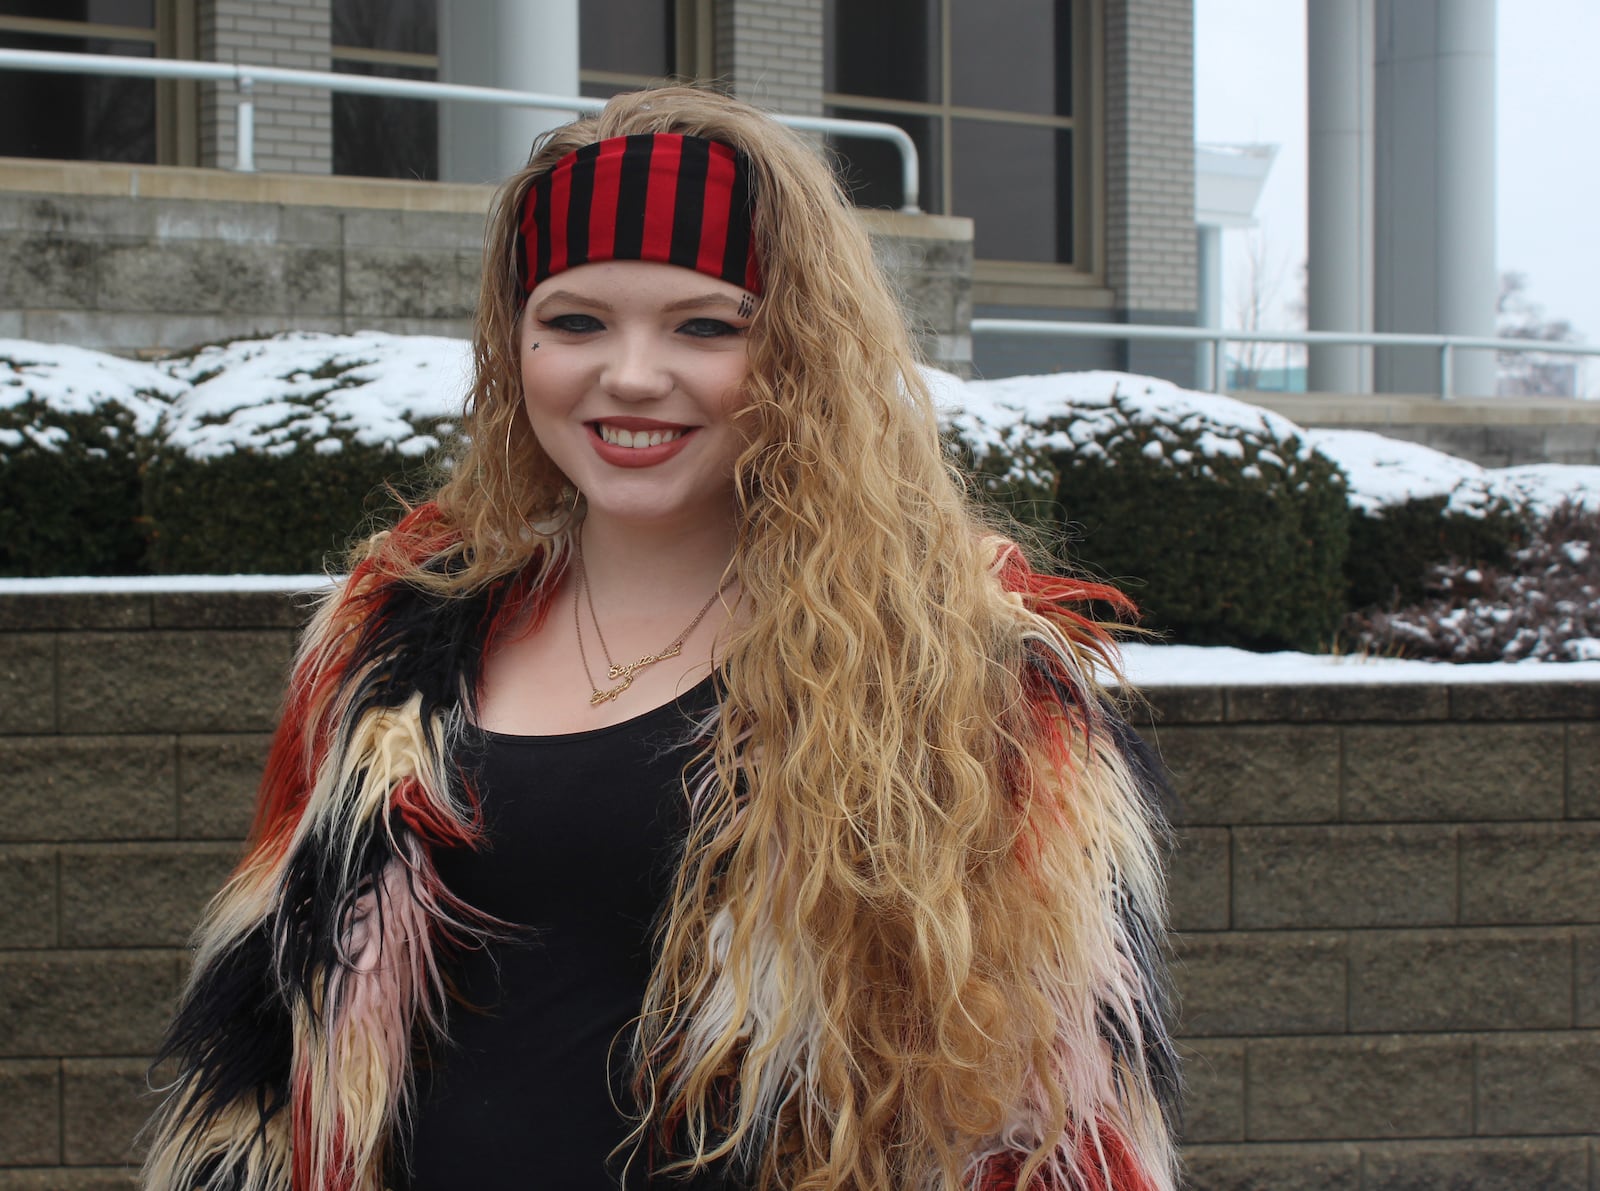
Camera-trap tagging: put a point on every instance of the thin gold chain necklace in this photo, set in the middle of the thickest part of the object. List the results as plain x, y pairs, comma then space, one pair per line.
624, 673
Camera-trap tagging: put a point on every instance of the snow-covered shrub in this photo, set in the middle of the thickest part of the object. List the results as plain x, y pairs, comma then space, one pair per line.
74, 429
279, 450
1413, 509
1217, 517
1544, 604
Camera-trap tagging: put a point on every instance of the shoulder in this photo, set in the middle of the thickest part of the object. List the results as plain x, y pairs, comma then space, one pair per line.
1067, 627
407, 613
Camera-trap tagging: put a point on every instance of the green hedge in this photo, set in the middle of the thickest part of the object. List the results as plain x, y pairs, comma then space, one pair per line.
1218, 519
1216, 560
1393, 550
285, 449
293, 513
1223, 531
69, 491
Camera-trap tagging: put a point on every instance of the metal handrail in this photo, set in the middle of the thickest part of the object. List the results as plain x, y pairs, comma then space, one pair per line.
245, 76
1218, 338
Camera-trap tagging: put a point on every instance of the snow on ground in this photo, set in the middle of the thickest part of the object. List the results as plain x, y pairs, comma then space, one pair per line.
1092, 411
1145, 665
273, 394
1542, 486
1196, 665
270, 394
374, 388
1390, 471
161, 584
74, 380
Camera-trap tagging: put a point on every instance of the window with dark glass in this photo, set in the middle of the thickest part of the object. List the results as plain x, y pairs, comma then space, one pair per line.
623, 44
376, 135
80, 117
985, 89
627, 44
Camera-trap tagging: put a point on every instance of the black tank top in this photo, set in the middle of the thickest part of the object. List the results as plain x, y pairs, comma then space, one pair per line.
582, 839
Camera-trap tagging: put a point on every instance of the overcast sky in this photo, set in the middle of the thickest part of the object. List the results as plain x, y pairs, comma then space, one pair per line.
1250, 85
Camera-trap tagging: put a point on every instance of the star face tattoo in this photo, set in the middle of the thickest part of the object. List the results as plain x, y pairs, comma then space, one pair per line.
747, 305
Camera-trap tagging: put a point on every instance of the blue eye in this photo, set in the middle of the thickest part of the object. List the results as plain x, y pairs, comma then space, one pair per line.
707, 328
575, 324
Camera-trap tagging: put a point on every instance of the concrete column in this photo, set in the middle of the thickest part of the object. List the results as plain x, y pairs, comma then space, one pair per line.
517, 44
1468, 275
1339, 79
1435, 252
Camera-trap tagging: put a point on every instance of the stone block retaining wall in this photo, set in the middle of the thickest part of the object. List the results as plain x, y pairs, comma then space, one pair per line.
1387, 898
1389, 948
147, 259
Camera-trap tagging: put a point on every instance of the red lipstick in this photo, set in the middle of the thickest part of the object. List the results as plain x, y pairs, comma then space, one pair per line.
620, 456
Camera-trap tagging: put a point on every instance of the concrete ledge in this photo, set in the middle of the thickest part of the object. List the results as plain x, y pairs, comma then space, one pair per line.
104, 179
1490, 431
1398, 409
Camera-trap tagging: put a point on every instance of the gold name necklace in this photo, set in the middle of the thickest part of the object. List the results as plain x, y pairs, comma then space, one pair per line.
623, 672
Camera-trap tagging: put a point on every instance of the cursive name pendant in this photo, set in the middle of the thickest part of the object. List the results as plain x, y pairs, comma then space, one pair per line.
626, 673
622, 671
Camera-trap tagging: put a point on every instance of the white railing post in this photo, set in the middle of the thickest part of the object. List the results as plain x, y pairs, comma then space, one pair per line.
245, 127
1219, 365
1445, 370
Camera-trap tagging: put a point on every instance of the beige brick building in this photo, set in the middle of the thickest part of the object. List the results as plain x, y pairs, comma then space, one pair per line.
1062, 128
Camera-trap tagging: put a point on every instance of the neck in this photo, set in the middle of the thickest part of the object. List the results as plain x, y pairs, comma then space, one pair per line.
654, 565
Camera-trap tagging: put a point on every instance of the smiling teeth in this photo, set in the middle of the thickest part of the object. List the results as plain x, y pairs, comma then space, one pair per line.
637, 438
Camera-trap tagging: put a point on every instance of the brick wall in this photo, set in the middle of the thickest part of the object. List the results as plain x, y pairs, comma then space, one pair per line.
770, 51
1389, 958
1149, 157
132, 729
293, 125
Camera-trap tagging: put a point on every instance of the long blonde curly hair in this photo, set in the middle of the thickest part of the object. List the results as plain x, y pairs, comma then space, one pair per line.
900, 871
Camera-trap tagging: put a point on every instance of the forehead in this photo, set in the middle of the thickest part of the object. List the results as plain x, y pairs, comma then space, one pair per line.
636, 284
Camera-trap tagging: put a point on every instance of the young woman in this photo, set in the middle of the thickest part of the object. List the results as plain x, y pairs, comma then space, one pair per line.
696, 789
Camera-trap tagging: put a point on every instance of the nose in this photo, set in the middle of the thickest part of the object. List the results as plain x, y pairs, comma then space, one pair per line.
636, 370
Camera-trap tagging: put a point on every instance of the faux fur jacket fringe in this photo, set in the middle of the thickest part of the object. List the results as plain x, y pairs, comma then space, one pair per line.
317, 968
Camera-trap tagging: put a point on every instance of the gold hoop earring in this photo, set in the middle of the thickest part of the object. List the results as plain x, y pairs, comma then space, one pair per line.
569, 515
511, 423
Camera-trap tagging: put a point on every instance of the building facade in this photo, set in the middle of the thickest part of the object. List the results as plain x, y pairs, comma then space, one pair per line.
1063, 129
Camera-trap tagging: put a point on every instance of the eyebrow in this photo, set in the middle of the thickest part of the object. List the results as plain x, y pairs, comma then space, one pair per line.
566, 295
702, 300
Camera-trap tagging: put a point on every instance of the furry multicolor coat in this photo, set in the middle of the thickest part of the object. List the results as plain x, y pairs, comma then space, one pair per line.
318, 967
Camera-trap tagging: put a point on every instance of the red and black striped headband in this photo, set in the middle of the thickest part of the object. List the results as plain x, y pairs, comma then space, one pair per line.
680, 200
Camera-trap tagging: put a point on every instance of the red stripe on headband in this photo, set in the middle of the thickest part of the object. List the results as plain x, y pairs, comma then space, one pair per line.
603, 214
560, 196
660, 199
714, 220
528, 240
